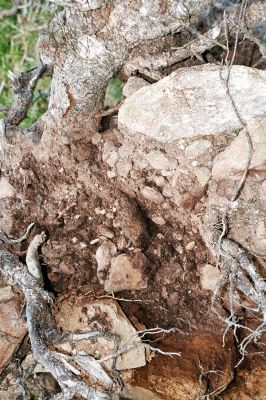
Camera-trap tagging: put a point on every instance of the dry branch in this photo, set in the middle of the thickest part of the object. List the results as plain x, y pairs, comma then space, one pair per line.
23, 88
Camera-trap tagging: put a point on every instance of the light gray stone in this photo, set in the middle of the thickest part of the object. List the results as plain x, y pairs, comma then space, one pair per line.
133, 84
260, 239
6, 294
263, 192
152, 194
232, 161
158, 160
112, 159
209, 276
123, 168
126, 273
158, 220
197, 148
192, 102
104, 255
203, 174
6, 190
102, 313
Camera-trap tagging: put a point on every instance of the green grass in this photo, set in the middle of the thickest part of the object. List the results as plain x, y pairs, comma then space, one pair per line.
113, 92
18, 53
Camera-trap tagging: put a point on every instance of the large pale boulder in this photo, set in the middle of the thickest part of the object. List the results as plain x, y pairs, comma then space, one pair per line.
193, 102
85, 315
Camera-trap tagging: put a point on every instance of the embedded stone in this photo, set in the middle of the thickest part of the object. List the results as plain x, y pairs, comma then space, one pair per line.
209, 276
158, 160
232, 161
85, 315
104, 255
127, 272
6, 190
152, 194
193, 102
133, 84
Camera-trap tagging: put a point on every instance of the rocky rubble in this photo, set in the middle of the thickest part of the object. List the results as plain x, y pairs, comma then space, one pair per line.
130, 219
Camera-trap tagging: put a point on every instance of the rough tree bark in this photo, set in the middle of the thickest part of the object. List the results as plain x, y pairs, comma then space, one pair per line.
146, 202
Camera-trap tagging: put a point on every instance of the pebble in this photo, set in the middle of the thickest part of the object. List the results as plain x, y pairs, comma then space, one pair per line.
190, 246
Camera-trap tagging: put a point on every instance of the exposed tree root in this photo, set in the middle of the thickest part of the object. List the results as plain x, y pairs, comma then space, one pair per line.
243, 283
44, 333
240, 277
218, 36
41, 325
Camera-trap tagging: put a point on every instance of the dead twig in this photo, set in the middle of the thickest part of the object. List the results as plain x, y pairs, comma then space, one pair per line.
23, 88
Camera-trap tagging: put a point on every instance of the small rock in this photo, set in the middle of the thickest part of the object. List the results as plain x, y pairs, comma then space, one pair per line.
232, 161
140, 163
109, 215
159, 180
262, 193
96, 138
158, 160
190, 246
133, 84
152, 194
260, 239
112, 159
6, 190
209, 276
197, 148
111, 174
122, 242
127, 272
6, 294
104, 231
166, 173
123, 168
203, 174
104, 255
66, 268
138, 393
158, 220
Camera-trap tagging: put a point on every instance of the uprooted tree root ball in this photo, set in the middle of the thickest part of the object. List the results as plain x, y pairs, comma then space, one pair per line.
141, 274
